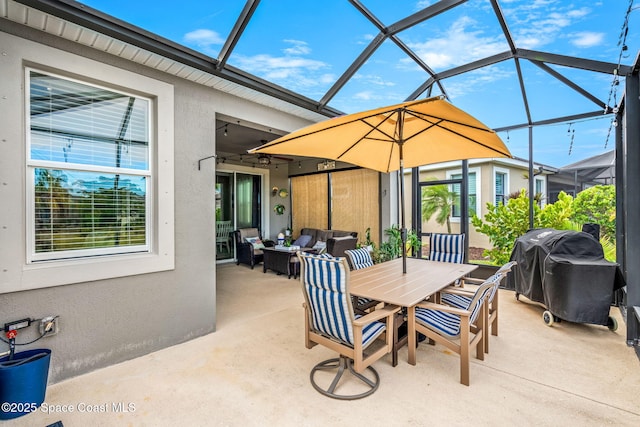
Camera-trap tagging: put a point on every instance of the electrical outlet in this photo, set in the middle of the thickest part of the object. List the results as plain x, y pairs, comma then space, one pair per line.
49, 326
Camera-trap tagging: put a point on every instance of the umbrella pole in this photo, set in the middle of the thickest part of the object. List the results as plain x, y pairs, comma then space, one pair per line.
403, 228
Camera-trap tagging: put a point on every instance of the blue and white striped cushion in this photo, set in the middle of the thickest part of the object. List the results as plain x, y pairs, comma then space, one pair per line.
463, 301
371, 331
325, 283
360, 258
442, 322
446, 247
458, 301
448, 324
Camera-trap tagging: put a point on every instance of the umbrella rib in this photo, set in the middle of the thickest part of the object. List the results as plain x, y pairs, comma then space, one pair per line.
426, 117
454, 132
362, 119
373, 128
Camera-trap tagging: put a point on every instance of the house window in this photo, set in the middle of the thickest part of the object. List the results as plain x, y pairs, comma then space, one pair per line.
88, 165
501, 186
473, 193
540, 191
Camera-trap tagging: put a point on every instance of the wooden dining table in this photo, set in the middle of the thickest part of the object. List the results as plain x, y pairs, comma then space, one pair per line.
386, 283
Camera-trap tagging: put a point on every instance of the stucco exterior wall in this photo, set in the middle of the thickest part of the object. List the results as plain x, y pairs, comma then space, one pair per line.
103, 322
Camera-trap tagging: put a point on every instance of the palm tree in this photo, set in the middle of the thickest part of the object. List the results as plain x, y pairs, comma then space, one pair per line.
439, 201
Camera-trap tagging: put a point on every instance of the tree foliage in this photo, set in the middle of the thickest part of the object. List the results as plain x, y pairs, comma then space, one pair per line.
597, 205
503, 224
439, 201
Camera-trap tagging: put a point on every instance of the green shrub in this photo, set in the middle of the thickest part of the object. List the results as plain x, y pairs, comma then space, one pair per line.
391, 249
503, 224
597, 205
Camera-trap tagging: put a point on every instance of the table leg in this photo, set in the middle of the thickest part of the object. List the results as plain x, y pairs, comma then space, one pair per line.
411, 332
398, 341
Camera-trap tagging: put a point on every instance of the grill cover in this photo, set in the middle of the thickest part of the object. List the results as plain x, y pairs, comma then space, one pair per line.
566, 271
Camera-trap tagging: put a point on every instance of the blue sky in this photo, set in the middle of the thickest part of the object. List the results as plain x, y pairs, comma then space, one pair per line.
305, 46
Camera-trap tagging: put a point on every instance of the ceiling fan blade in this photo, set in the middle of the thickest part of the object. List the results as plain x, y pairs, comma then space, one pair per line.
283, 158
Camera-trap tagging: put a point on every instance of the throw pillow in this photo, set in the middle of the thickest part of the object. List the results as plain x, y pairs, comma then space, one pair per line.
320, 246
302, 241
255, 242
343, 238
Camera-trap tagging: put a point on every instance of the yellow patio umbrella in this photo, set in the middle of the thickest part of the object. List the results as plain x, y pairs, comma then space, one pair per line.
387, 139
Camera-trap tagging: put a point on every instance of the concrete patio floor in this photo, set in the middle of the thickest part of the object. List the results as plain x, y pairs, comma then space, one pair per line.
254, 371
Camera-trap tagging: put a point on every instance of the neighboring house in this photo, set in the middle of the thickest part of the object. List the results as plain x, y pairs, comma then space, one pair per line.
578, 176
490, 181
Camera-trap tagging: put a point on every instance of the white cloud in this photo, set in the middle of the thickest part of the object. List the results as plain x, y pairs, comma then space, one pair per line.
458, 45
372, 79
364, 96
291, 70
476, 80
542, 22
587, 39
299, 48
203, 38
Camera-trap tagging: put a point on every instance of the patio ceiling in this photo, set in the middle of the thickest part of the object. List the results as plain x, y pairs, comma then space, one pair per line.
494, 63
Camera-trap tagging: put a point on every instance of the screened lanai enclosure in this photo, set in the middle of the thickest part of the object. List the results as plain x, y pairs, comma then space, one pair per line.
549, 102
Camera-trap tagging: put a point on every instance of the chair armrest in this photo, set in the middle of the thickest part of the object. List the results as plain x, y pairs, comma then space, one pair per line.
457, 291
472, 280
444, 308
381, 313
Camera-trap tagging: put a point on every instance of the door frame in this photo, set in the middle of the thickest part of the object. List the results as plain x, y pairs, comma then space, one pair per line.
264, 186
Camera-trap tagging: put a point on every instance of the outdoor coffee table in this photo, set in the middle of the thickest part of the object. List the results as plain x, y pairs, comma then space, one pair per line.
282, 261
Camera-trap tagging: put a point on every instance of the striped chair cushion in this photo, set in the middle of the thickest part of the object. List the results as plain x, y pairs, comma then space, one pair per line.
463, 301
446, 247
442, 322
371, 331
325, 284
359, 258
458, 301
448, 324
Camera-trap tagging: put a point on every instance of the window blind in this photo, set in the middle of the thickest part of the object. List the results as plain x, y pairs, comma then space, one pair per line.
89, 166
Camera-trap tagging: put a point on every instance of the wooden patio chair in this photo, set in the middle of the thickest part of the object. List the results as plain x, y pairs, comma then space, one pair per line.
331, 322
457, 329
461, 298
358, 259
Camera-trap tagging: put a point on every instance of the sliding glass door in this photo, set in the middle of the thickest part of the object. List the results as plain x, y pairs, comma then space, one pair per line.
238, 205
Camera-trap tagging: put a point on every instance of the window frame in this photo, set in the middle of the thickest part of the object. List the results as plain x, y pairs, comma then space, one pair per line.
505, 172
161, 256
543, 181
33, 164
477, 170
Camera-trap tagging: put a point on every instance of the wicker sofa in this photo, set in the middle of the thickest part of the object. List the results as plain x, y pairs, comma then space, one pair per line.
337, 241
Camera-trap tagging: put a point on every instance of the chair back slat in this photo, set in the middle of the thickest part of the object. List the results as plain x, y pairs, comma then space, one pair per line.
499, 275
325, 284
359, 258
487, 288
446, 247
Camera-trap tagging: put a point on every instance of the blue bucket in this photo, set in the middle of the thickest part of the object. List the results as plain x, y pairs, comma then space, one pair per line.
23, 382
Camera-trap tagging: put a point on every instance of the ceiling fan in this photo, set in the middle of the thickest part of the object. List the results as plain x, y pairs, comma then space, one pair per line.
265, 159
